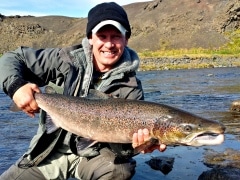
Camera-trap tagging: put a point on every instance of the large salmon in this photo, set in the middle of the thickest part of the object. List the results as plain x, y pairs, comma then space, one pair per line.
115, 120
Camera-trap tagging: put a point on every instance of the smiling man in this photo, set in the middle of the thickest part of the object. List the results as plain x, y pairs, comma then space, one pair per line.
103, 62
108, 46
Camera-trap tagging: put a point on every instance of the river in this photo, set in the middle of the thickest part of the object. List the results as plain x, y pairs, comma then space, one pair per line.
205, 92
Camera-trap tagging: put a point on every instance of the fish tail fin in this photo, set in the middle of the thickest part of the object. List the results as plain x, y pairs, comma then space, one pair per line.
14, 107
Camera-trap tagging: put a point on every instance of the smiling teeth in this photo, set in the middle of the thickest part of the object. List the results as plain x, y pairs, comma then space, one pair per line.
108, 52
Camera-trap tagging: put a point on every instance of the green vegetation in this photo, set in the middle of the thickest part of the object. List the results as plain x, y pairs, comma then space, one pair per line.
234, 45
193, 52
231, 49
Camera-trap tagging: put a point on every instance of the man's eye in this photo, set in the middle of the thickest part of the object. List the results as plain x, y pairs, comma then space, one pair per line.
101, 36
117, 37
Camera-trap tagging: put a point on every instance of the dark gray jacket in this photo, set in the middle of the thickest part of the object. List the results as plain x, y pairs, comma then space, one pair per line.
69, 68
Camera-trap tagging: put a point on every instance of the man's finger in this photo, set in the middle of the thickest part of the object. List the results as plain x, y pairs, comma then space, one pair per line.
140, 136
162, 147
145, 134
135, 140
33, 105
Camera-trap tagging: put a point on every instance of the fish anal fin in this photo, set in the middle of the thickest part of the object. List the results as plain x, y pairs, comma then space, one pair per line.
83, 143
85, 147
50, 126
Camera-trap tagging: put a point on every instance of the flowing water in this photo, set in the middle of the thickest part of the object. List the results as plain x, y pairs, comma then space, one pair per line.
205, 92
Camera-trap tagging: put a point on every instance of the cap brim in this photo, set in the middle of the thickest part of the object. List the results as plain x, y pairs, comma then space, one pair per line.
109, 22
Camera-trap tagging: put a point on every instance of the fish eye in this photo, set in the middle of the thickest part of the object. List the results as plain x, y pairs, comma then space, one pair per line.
187, 128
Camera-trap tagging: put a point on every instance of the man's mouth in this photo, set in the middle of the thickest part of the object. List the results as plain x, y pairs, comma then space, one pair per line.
108, 54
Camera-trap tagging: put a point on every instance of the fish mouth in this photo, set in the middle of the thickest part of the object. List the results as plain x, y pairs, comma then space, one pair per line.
204, 139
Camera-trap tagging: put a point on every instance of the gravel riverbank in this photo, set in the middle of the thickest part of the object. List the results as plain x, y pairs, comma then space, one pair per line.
186, 62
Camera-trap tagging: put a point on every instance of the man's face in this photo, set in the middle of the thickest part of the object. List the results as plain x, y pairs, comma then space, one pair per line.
108, 46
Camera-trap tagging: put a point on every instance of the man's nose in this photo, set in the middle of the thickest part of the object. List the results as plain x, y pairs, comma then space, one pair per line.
109, 43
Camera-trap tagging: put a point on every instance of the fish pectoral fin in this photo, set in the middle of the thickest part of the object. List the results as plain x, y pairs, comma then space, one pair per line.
83, 143
146, 145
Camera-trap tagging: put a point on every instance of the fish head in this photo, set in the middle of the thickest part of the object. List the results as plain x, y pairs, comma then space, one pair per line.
188, 129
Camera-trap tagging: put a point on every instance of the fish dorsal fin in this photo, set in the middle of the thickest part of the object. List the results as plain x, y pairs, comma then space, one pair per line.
95, 94
53, 88
49, 90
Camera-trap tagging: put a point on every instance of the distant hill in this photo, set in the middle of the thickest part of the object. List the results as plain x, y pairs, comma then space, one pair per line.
155, 25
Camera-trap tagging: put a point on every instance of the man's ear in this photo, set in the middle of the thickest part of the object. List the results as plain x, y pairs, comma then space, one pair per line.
90, 41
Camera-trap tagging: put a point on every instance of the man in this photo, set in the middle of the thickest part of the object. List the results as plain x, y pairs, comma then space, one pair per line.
103, 62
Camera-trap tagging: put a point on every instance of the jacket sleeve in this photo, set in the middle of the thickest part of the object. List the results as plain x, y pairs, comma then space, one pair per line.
29, 65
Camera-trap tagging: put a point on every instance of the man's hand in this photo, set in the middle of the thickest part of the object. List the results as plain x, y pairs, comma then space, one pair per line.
143, 135
24, 98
